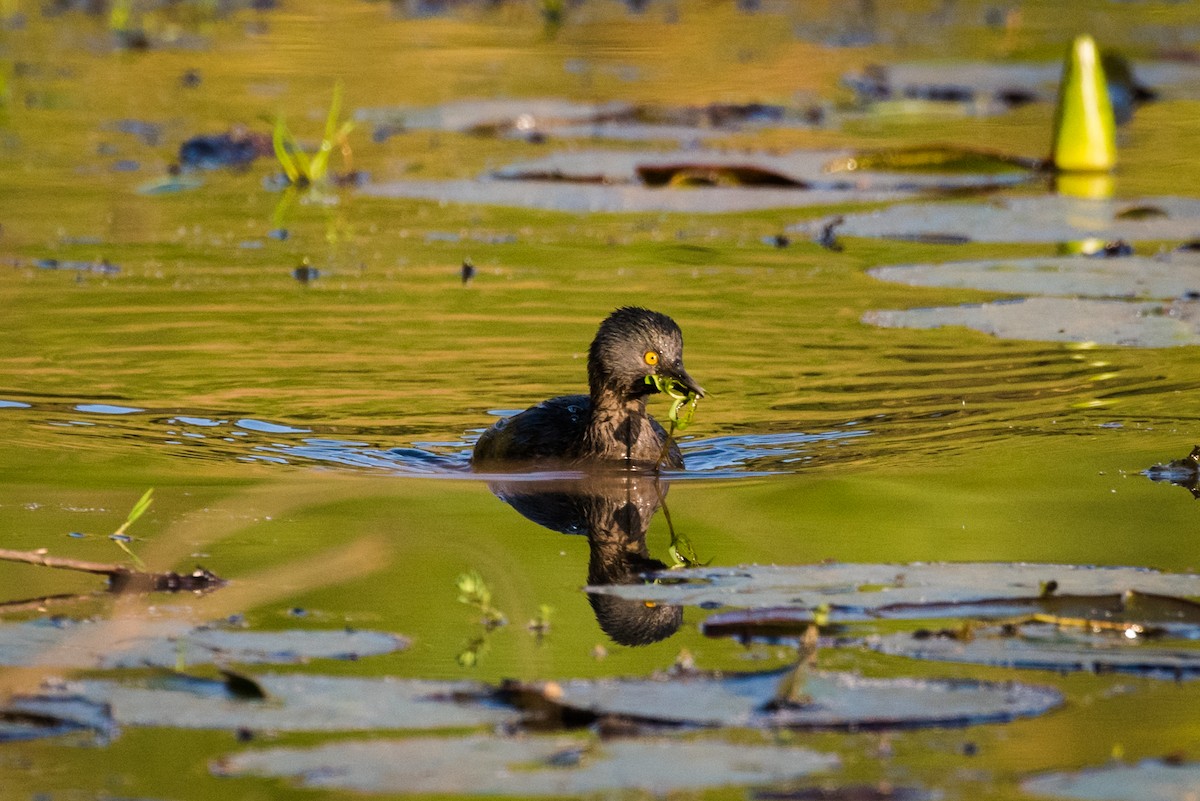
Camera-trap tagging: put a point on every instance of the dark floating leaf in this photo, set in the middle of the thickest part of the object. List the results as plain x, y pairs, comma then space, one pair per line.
237, 148
527, 766
106, 644
1150, 780
296, 702
1183, 472
1140, 213
826, 700
1043, 646
682, 174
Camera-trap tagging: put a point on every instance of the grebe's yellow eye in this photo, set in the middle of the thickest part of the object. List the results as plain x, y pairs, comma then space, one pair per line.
651, 357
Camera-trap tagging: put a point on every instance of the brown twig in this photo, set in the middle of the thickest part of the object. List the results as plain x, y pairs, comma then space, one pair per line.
120, 577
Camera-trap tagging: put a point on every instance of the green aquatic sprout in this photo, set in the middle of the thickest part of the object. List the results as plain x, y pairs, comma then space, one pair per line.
297, 166
119, 536
474, 591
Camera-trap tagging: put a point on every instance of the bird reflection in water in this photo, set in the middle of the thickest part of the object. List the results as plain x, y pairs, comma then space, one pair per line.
613, 509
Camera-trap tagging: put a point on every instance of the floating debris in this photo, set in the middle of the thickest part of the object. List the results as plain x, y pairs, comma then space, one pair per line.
527, 766
29, 718
237, 148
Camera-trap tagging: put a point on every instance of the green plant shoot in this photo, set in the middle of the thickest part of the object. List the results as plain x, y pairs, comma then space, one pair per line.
297, 166
474, 591
137, 511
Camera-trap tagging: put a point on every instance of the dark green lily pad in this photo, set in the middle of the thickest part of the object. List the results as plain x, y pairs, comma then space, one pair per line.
1150, 780
1053, 319
1170, 276
829, 700
527, 766
103, 644
297, 702
1044, 646
868, 588
1045, 218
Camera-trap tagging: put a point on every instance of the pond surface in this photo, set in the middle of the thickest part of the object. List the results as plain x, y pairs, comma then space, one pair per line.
301, 379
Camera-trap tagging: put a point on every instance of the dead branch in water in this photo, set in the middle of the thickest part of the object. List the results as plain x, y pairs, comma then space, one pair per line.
122, 578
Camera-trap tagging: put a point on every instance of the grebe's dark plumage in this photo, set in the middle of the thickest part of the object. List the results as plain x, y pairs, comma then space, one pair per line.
610, 423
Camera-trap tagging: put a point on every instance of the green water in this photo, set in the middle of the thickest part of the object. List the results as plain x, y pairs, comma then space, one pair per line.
309, 441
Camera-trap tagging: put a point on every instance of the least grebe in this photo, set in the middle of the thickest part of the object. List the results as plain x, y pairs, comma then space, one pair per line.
610, 423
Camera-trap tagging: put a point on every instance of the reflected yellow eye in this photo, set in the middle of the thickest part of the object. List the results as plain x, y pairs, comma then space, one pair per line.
651, 357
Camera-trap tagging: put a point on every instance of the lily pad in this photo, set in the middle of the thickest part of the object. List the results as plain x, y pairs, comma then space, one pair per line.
105, 644
829, 700
982, 88
34, 718
527, 766
874, 589
811, 169
296, 702
1179, 617
537, 118
1054, 319
1169, 276
1047, 218
1044, 646
1150, 780
630, 181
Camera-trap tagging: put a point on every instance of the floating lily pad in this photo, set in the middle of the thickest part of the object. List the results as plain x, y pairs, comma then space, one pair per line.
104, 644
878, 589
989, 88
1048, 218
1179, 617
33, 718
581, 198
827, 700
1150, 780
1053, 319
527, 766
537, 118
1169, 276
631, 181
295, 702
843, 170
1046, 647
